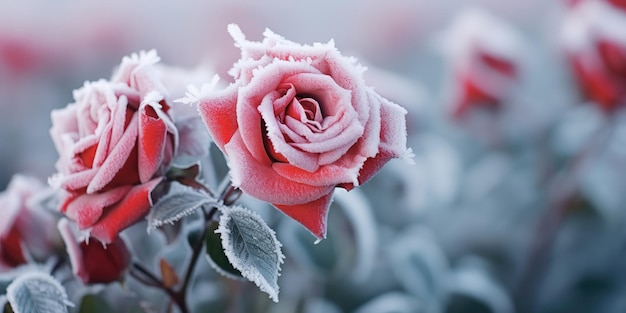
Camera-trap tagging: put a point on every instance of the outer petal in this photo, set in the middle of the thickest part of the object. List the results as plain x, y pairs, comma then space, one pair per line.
219, 113
311, 215
393, 136
11, 251
86, 209
152, 141
262, 182
595, 82
133, 207
328, 175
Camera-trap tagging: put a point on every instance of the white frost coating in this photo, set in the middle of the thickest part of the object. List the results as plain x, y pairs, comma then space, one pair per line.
144, 58
181, 201
476, 29
194, 95
240, 217
359, 212
44, 292
590, 20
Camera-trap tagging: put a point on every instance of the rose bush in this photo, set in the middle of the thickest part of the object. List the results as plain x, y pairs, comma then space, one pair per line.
596, 48
115, 143
299, 121
26, 231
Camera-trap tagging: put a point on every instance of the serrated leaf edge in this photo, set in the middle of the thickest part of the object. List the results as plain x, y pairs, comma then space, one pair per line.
259, 280
220, 271
155, 223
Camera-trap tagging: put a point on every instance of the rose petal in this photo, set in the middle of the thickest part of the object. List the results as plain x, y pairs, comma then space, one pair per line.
262, 182
595, 82
11, 251
393, 136
117, 158
329, 175
134, 206
219, 113
312, 215
151, 144
78, 180
86, 209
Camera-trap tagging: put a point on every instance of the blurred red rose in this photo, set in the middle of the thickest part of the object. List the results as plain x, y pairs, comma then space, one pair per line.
484, 54
595, 44
26, 231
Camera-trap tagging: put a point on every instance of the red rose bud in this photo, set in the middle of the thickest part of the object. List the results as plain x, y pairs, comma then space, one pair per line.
485, 58
93, 262
596, 48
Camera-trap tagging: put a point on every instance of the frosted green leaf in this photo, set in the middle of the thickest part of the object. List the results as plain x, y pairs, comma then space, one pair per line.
178, 203
216, 256
37, 292
252, 248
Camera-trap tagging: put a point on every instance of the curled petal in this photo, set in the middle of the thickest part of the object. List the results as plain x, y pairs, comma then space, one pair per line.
152, 142
219, 113
312, 215
117, 158
86, 209
134, 206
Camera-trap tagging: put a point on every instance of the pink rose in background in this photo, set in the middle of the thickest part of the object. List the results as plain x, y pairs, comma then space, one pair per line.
485, 61
26, 231
299, 121
595, 43
92, 262
115, 143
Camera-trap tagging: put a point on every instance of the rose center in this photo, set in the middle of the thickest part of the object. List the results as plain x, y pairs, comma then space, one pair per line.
308, 111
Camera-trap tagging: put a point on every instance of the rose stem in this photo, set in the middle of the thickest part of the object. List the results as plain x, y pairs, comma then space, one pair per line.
228, 195
197, 248
562, 191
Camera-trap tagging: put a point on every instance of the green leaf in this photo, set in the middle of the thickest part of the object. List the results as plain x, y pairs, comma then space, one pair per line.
216, 256
178, 203
94, 304
37, 292
252, 248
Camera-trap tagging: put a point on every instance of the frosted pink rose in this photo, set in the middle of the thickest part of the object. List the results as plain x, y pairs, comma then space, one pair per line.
299, 121
115, 143
26, 231
92, 262
595, 44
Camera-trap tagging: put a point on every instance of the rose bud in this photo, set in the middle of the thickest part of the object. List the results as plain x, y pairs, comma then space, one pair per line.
299, 121
93, 262
26, 231
115, 143
484, 60
596, 51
